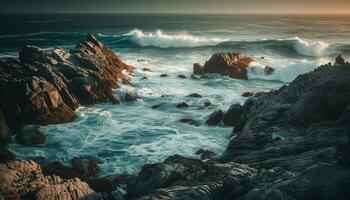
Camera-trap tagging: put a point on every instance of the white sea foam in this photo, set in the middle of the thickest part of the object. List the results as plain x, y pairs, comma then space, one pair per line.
313, 49
163, 40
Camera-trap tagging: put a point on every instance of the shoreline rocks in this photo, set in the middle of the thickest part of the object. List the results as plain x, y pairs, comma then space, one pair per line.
45, 87
233, 65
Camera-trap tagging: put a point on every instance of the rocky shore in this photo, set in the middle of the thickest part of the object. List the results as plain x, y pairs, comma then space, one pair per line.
292, 143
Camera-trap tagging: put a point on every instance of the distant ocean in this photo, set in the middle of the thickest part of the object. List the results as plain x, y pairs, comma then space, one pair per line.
125, 137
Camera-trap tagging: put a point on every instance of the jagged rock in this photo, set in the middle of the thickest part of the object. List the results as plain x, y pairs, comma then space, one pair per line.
25, 180
235, 116
340, 60
198, 69
182, 105
233, 65
45, 87
268, 70
189, 121
31, 136
86, 166
194, 95
215, 118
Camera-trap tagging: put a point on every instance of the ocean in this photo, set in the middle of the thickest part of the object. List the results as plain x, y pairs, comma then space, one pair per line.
126, 136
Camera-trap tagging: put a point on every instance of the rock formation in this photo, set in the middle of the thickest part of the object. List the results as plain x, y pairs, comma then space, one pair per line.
45, 87
233, 65
25, 180
292, 143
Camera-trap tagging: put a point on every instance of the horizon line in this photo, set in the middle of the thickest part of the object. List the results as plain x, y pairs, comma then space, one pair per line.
174, 13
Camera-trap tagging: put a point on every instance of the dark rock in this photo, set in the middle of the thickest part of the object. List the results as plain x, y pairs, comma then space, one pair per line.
4, 131
57, 168
31, 136
182, 105
86, 166
6, 155
164, 75
189, 121
198, 69
215, 118
268, 70
233, 65
247, 94
262, 57
130, 97
235, 117
259, 94
340, 60
207, 104
157, 106
205, 154
45, 87
147, 70
181, 76
194, 95
144, 78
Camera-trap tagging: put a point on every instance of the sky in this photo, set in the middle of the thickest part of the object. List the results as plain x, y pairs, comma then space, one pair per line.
177, 6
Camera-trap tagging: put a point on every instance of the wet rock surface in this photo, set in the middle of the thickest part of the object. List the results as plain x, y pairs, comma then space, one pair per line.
25, 180
233, 65
292, 143
45, 87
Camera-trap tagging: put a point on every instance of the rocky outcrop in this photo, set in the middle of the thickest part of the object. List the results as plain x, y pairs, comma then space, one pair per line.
25, 180
31, 136
292, 143
45, 87
233, 65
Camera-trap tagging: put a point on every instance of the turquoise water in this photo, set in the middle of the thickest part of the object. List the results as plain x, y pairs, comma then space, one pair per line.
126, 136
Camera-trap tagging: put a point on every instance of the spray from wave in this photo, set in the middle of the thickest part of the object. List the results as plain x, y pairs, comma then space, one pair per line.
162, 40
313, 49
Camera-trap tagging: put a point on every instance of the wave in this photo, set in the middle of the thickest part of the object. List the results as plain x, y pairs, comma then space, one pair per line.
159, 39
163, 40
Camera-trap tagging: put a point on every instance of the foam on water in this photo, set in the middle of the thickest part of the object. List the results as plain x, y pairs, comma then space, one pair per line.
163, 40
314, 49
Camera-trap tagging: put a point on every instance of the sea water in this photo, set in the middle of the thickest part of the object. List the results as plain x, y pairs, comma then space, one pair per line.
126, 136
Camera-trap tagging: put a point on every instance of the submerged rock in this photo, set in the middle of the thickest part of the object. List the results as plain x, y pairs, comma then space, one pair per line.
182, 76
45, 87
189, 121
182, 105
129, 96
164, 75
233, 65
147, 69
194, 95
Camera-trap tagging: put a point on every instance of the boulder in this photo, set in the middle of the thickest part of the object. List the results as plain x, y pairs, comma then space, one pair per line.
31, 136
198, 69
182, 76
207, 104
25, 180
182, 105
86, 166
164, 75
268, 70
233, 65
194, 95
215, 118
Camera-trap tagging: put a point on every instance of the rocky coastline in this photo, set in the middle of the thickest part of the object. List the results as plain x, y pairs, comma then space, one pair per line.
292, 143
